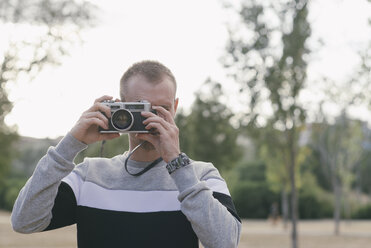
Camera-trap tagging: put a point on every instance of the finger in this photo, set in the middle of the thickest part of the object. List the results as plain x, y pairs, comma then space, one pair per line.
157, 126
157, 120
103, 98
98, 115
98, 106
94, 121
165, 113
148, 114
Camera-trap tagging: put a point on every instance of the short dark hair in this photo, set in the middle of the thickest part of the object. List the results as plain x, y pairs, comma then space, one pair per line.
153, 71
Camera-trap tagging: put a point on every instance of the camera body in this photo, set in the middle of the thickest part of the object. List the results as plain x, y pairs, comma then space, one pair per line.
126, 117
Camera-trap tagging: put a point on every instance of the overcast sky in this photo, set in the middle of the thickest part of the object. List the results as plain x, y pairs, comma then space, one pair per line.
187, 36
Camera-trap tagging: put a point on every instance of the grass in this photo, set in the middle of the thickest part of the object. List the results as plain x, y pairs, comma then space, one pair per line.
255, 234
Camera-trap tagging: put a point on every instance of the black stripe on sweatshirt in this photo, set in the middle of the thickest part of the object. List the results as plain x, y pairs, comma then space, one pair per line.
106, 228
227, 201
64, 209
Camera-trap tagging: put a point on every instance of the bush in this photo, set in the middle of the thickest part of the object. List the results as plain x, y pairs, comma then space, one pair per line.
314, 206
253, 200
250, 191
314, 202
9, 192
253, 197
363, 212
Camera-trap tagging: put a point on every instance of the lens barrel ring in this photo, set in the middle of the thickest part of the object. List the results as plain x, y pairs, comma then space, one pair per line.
122, 120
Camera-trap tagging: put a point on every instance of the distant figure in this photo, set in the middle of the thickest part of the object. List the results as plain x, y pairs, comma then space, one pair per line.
274, 215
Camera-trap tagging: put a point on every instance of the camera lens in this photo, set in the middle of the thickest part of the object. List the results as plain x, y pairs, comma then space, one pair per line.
122, 120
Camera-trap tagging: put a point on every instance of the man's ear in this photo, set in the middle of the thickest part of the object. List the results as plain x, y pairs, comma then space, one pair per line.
176, 101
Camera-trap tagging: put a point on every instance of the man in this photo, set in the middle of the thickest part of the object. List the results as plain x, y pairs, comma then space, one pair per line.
174, 204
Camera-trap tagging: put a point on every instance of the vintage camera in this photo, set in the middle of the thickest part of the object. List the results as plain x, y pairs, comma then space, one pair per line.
126, 117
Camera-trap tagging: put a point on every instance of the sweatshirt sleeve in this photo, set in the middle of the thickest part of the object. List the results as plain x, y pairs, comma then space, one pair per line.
207, 204
32, 211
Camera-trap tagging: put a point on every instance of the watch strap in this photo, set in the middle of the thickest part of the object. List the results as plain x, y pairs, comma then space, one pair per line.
178, 162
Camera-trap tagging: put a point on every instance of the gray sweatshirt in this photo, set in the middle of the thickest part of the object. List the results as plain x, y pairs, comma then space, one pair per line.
114, 209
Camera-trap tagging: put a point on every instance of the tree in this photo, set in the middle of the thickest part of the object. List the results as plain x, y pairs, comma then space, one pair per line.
207, 133
343, 158
40, 33
276, 156
340, 148
43, 31
273, 73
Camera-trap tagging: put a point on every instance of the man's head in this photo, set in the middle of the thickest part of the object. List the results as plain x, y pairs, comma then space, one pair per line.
150, 81
152, 71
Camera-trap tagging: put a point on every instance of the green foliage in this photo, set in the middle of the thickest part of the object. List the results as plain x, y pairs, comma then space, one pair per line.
314, 202
206, 133
365, 173
254, 171
253, 196
363, 212
272, 148
339, 148
9, 191
313, 165
6, 153
313, 206
250, 191
253, 200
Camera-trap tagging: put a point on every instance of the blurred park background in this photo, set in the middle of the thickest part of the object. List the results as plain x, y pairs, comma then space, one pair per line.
282, 107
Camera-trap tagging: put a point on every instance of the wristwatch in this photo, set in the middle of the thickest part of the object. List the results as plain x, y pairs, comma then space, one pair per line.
178, 162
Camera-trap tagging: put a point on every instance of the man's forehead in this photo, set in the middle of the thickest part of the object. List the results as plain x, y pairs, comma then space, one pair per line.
143, 79
138, 84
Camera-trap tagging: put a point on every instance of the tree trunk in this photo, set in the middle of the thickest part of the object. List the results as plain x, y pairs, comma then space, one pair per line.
337, 206
294, 201
285, 208
293, 207
347, 208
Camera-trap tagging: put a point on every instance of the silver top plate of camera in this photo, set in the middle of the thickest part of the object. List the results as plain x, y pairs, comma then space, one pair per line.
131, 106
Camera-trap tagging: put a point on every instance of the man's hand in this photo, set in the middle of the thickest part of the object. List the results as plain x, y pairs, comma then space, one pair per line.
86, 128
166, 135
